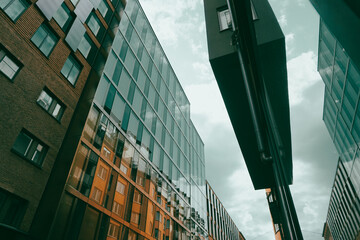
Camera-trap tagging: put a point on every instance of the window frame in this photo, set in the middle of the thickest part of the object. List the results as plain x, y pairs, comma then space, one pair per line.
102, 172
49, 33
34, 141
119, 183
23, 2
52, 106
135, 218
20, 209
5, 53
75, 63
96, 195
220, 11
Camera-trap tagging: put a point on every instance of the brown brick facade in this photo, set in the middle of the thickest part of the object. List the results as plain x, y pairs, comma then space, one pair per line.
19, 108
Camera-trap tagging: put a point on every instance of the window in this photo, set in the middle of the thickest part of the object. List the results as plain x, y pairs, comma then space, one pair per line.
93, 23
123, 168
117, 208
51, 104
113, 230
71, 69
135, 218
12, 208
14, 8
120, 188
63, 17
277, 228
44, 39
224, 19
137, 197
140, 180
85, 45
106, 152
158, 216
96, 194
102, 172
30, 148
7, 65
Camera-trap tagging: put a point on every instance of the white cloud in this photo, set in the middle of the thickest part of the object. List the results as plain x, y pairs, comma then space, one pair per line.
195, 47
206, 101
289, 43
302, 74
249, 210
282, 20
310, 202
301, 3
203, 70
171, 19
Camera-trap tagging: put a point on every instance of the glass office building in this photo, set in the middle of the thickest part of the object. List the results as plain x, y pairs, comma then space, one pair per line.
220, 224
139, 171
342, 119
343, 219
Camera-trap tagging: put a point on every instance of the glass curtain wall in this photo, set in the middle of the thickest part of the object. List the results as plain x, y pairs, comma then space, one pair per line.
342, 119
140, 157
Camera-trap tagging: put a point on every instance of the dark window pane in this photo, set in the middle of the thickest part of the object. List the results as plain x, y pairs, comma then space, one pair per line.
62, 217
12, 208
125, 121
22, 143
79, 164
110, 98
89, 224
118, 111
30, 148
89, 174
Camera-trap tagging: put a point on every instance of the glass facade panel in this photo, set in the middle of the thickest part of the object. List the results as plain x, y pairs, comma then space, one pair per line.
137, 102
125, 81
118, 109
344, 129
339, 75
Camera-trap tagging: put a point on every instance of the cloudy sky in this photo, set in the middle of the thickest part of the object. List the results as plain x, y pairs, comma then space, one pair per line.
180, 27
